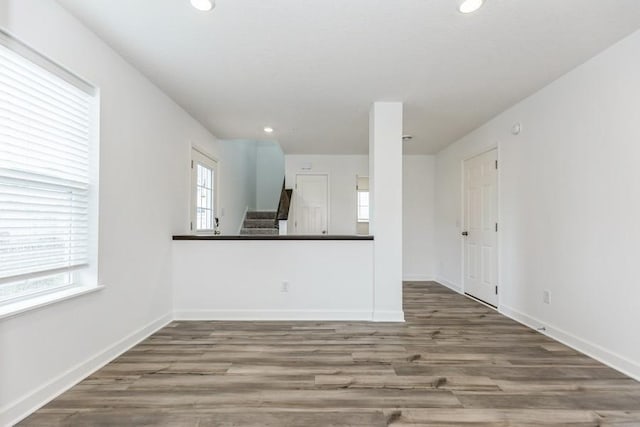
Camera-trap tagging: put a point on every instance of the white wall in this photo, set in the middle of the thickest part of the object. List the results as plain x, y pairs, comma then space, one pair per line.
569, 206
212, 281
237, 183
342, 171
385, 206
251, 174
269, 175
418, 214
418, 199
144, 175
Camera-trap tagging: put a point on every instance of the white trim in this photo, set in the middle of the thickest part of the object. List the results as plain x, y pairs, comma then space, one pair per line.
11, 41
258, 315
204, 151
444, 282
33, 303
388, 316
21, 408
609, 358
418, 278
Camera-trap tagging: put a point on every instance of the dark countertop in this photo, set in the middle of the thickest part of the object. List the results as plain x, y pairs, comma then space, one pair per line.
275, 237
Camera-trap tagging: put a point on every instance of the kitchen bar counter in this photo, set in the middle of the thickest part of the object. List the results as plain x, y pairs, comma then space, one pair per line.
268, 237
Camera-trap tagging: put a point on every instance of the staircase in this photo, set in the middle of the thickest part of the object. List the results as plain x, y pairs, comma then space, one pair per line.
260, 223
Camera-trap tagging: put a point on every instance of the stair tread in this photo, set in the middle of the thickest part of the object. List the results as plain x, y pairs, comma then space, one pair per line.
259, 231
261, 215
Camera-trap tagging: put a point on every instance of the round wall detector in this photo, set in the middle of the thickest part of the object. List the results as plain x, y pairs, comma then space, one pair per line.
516, 129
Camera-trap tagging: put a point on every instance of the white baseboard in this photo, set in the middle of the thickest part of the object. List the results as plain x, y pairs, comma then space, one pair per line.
388, 316
21, 408
290, 315
417, 278
448, 284
609, 358
274, 315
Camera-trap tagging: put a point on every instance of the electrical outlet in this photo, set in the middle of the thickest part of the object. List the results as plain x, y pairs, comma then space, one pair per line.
284, 287
546, 297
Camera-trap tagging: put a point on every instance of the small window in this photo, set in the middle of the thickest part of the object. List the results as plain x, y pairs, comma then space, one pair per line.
363, 206
48, 125
204, 204
362, 194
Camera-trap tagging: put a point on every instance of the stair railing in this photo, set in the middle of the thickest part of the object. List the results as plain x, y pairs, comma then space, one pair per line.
284, 204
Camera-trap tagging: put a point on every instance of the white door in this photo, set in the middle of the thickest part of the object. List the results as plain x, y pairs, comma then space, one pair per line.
312, 204
481, 227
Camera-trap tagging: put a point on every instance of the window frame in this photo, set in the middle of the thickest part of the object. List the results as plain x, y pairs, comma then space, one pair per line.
80, 279
199, 157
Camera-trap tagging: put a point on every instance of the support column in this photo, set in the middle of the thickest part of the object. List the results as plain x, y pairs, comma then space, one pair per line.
385, 189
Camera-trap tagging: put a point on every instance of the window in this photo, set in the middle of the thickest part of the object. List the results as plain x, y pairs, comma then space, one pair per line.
363, 198
47, 125
204, 177
363, 206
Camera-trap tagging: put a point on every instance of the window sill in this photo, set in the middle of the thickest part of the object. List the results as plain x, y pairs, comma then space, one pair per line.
19, 307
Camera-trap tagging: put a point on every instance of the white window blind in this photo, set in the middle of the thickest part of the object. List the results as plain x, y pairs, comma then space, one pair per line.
45, 133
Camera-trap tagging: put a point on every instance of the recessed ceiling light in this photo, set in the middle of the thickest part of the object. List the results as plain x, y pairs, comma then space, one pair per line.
268, 129
203, 5
470, 6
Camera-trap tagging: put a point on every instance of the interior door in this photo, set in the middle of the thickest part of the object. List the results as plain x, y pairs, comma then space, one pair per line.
481, 227
312, 204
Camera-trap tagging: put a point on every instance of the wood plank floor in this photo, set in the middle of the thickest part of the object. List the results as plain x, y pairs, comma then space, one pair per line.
453, 363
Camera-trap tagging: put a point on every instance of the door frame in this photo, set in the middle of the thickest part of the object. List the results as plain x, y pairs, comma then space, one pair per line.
462, 224
192, 190
295, 228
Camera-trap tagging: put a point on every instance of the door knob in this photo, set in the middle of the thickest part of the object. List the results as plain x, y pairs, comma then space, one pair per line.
465, 233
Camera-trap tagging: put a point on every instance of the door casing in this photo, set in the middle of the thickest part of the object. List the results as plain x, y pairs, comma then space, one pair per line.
463, 224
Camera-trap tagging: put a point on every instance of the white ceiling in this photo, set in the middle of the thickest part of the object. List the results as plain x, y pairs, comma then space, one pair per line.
311, 68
